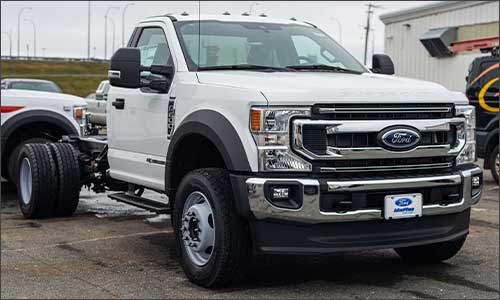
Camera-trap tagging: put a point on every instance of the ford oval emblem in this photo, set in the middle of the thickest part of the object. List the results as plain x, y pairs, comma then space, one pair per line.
399, 138
402, 202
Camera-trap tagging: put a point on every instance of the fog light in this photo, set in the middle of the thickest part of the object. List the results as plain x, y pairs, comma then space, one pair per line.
476, 181
284, 194
280, 193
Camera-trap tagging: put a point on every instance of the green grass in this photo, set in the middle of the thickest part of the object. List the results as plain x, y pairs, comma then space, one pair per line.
76, 78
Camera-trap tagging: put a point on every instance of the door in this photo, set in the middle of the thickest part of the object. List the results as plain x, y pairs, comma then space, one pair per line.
138, 131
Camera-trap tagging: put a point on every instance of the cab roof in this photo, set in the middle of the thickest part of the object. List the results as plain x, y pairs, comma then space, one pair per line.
232, 18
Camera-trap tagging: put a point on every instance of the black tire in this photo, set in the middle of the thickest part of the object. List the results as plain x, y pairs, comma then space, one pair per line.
68, 167
14, 156
41, 202
432, 253
232, 241
494, 167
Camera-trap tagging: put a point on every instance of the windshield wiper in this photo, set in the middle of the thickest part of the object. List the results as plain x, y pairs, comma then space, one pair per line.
244, 67
321, 67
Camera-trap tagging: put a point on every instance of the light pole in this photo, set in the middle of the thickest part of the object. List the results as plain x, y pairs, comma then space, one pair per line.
34, 35
114, 30
43, 52
340, 28
251, 6
123, 22
88, 30
106, 30
19, 29
10, 42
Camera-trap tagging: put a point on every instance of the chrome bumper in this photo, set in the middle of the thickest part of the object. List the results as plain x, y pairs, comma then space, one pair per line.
310, 211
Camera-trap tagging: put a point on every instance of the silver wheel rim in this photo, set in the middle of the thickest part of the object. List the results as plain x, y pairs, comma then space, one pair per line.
497, 163
198, 228
25, 180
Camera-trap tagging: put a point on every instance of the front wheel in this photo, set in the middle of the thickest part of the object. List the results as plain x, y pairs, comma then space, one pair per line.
211, 239
432, 253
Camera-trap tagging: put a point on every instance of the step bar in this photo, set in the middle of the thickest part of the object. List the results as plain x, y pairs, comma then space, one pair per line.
141, 202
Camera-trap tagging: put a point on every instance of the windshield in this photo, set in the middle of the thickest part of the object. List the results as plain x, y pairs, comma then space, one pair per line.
260, 44
35, 86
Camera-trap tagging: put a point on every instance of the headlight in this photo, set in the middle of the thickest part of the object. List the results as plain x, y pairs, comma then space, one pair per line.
467, 132
270, 130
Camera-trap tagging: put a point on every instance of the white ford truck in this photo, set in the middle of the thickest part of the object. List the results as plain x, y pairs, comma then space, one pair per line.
268, 137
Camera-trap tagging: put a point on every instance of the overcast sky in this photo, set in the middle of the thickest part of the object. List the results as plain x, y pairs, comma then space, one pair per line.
62, 25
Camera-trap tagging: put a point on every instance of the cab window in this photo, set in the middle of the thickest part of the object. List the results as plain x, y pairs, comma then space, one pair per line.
154, 49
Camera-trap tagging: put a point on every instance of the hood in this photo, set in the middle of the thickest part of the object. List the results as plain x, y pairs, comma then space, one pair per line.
46, 96
295, 88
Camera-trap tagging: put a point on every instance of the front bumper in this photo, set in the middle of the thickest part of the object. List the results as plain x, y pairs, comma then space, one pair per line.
310, 213
309, 230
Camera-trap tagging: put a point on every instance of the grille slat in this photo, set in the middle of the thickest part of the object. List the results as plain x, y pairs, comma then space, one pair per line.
382, 111
340, 202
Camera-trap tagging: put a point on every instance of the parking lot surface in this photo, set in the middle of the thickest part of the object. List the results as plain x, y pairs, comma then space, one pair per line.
110, 250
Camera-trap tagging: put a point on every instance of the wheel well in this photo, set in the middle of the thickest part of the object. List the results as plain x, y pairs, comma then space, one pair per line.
41, 129
193, 152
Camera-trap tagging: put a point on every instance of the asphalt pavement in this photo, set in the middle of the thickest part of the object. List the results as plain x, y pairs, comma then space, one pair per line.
111, 250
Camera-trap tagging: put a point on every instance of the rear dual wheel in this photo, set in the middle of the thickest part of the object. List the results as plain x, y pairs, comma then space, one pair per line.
48, 180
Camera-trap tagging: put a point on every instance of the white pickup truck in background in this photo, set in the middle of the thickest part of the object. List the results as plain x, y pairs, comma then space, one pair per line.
268, 137
96, 105
35, 116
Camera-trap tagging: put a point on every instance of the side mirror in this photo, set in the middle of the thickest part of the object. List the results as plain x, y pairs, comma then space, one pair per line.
382, 64
166, 71
160, 85
125, 68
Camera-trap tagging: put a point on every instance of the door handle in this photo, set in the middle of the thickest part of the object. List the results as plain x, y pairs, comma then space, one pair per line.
119, 103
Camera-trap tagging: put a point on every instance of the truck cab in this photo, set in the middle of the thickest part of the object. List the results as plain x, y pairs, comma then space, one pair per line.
482, 90
268, 137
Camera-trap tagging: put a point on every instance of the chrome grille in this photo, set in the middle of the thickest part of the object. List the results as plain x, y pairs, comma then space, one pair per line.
348, 146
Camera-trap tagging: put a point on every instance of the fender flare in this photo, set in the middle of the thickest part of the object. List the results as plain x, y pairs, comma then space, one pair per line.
31, 116
218, 130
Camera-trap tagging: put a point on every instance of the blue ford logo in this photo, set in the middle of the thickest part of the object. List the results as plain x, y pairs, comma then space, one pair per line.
402, 202
399, 138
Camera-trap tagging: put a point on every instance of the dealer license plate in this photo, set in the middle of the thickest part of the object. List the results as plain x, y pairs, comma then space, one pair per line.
403, 206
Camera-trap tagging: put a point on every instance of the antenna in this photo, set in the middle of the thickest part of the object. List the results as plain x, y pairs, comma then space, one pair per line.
199, 34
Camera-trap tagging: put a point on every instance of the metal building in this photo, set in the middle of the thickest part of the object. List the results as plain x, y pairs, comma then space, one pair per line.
438, 41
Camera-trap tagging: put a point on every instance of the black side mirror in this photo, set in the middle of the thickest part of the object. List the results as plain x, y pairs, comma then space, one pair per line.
160, 85
382, 64
166, 71
125, 68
